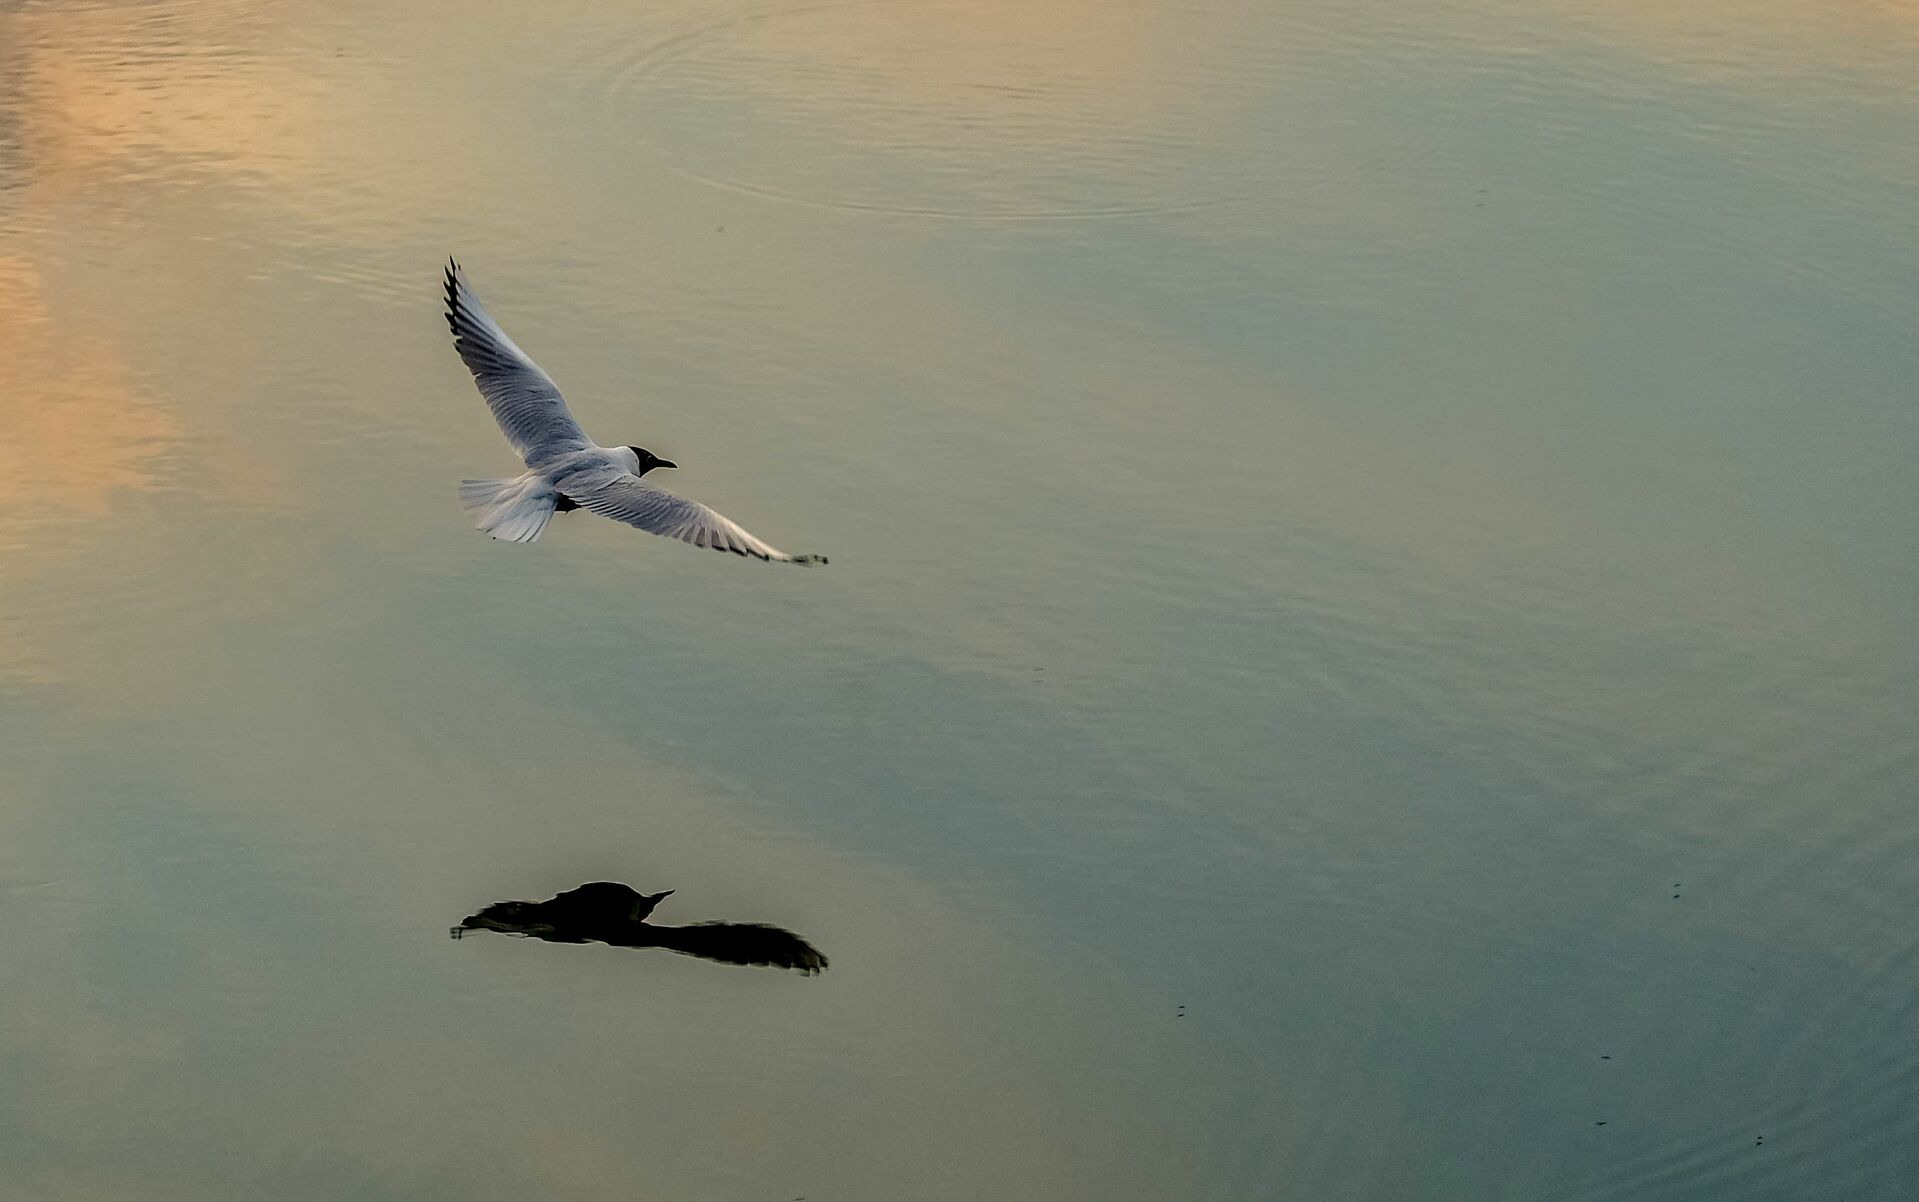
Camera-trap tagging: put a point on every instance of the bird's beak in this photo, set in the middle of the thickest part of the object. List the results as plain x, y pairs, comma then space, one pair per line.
666, 463
659, 896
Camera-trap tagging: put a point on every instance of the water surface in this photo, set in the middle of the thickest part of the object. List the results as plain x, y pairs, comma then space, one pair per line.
1370, 628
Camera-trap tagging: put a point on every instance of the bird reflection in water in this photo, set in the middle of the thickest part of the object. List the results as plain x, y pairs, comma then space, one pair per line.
612, 913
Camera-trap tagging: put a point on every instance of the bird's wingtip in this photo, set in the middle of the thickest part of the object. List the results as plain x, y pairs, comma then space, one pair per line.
453, 284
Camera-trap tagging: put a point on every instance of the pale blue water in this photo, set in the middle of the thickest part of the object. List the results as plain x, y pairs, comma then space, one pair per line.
1338, 514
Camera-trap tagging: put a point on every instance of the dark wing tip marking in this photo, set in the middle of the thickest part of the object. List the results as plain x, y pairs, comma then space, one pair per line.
453, 297
469, 337
763, 557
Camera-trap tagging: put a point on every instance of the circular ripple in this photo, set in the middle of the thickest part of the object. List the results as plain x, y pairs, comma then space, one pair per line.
985, 109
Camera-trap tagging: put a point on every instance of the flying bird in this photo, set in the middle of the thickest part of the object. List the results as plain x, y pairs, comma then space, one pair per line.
566, 470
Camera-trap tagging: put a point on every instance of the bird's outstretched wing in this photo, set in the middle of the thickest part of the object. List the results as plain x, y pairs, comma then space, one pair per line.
627, 498
523, 399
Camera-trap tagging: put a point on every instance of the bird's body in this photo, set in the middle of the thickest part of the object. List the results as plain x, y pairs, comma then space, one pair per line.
566, 470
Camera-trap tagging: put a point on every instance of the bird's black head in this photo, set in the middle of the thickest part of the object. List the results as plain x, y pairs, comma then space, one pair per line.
648, 461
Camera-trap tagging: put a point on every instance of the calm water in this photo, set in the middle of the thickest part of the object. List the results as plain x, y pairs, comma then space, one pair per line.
1371, 626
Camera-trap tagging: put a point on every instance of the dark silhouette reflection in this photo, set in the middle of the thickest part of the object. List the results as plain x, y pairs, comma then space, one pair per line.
608, 912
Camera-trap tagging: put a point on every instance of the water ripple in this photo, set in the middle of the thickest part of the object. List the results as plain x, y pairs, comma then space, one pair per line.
994, 112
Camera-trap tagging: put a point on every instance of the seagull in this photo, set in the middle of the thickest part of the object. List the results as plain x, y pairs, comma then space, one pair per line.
566, 470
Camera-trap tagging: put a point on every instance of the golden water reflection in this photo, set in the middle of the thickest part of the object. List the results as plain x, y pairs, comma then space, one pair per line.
80, 436
78, 429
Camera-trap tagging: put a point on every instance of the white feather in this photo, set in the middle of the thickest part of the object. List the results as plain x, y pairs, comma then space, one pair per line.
515, 510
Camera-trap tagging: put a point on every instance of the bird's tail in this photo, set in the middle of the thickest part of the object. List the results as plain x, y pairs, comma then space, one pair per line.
516, 510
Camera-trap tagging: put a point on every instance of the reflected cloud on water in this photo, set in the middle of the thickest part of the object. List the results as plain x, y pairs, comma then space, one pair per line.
615, 914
